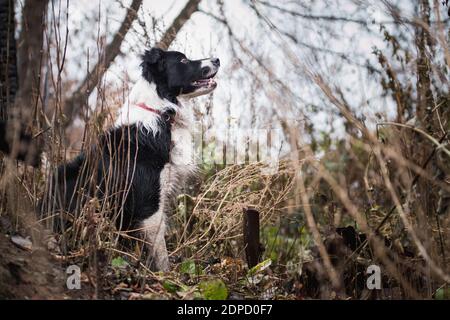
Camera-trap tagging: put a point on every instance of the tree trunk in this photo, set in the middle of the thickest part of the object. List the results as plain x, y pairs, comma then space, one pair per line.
23, 274
427, 120
425, 104
8, 61
29, 55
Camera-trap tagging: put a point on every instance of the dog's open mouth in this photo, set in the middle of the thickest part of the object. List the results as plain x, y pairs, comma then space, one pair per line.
208, 82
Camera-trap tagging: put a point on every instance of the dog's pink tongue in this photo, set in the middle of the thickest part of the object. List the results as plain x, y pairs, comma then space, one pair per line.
206, 82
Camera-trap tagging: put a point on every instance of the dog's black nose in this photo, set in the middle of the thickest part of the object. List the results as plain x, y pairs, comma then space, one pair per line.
215, 62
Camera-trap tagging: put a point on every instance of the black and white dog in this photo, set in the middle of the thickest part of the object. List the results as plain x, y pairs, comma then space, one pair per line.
142, 162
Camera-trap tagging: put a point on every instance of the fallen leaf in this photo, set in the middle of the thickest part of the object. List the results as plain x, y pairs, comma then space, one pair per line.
23, 243
259, 267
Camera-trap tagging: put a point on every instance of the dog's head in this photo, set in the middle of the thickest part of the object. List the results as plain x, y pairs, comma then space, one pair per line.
175, 75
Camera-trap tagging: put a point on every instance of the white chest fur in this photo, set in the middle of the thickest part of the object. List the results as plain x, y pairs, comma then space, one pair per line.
182, 162
181, 165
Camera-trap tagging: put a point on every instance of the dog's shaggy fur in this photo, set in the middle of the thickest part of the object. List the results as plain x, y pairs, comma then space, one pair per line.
141, 163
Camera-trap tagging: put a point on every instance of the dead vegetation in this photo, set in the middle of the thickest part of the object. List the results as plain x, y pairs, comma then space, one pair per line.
379, 194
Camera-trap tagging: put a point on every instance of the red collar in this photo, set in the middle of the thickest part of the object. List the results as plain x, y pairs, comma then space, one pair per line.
167, 117
146, 107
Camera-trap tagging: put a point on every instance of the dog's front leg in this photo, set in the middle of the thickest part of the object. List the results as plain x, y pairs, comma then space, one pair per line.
155, 229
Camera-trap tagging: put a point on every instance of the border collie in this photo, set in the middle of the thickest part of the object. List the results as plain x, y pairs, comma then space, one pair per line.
146, 157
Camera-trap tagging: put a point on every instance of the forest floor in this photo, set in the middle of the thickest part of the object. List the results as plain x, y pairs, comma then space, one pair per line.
29, 271
36, 273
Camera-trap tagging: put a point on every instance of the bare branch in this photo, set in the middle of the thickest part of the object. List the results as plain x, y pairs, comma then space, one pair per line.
112, 50
73, 104
311, 16
177, 24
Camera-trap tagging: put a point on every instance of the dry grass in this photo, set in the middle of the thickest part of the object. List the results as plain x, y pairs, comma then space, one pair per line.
211, 221
391, 184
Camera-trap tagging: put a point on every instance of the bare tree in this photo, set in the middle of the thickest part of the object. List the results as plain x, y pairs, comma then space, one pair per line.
74, 104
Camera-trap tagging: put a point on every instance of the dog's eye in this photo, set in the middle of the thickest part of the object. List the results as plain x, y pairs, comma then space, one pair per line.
184, 60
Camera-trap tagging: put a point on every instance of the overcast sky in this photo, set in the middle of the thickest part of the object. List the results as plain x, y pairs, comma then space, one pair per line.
203, 36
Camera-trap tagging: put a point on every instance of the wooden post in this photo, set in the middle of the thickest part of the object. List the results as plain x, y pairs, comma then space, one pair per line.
251, 236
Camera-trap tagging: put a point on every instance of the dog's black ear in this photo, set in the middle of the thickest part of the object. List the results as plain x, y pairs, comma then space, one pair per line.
153, 55
152, 64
